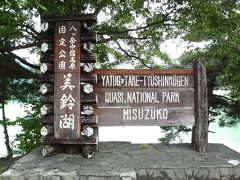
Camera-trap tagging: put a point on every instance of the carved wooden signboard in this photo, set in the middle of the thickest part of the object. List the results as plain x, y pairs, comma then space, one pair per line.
145, 97
77, 99
67, 106
69, 123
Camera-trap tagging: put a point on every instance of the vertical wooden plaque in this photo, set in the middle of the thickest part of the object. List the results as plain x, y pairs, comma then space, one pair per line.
67, 86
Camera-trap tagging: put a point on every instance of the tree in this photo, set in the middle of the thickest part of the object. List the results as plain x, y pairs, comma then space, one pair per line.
218, 24
11, 74
17, 30
132, 31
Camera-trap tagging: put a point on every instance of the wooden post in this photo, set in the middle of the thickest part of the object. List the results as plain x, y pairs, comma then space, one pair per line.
200, 130
63, 40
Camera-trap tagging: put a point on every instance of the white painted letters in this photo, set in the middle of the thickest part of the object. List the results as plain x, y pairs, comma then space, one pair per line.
144, 114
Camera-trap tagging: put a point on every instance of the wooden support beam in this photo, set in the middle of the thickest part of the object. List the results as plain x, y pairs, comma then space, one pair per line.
88, 58
49, 139
89, 18
48, 78
86, 119
89, 37
85, 98
47, 58
200, 130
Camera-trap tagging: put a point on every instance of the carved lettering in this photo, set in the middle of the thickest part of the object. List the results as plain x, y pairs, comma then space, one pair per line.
118, 81
146, 80
166, 80
144, 114
170, 97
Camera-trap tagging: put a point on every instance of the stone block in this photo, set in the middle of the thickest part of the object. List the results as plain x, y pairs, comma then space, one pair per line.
53, 177
83, 178
169, 174
189, 172
237, 170
17, 177
213, 173
34, 177
131, 175
223, 171
97, 178
141, 174
180, 174
70, 177
125, 161
4, 178
113, 178
202, 173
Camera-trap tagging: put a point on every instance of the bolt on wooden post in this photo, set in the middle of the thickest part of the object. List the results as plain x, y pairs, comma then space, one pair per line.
46, 89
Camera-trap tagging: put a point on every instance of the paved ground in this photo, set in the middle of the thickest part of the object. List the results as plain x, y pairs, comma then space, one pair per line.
125, 161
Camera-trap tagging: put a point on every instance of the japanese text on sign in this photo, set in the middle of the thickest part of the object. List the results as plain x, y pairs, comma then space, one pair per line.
67, 84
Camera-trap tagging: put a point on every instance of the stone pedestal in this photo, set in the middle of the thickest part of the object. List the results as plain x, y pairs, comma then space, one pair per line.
126, 161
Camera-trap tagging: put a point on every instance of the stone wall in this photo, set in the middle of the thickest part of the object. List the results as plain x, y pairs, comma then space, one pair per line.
125, 161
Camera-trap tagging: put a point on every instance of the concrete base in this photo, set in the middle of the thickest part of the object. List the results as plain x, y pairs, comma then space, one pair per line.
126, 161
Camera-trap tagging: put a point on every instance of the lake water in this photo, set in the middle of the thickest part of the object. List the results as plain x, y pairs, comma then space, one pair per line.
228, 136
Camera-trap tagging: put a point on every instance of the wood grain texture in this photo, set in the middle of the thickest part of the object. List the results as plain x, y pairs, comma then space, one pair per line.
50, 139
67, 102
148, 116
49, 119
143, 71
47, 37
46, 99
89, 37
47, 58
200, 130
85, 98
48, 78
184, 97
144, 80
90, 18
88, 58
88, 78
127, 105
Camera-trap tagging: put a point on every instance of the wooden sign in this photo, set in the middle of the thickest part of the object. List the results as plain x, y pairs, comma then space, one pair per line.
145, 97
67, 104
71, 116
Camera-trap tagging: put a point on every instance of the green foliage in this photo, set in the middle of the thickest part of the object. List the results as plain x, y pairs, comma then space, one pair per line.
30, 136
173, 133
25, 91
3, 168
218, 24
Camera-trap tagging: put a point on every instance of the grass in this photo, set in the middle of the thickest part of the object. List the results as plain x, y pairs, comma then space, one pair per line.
5, 163
3, 168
